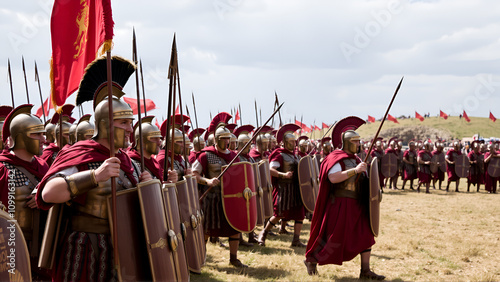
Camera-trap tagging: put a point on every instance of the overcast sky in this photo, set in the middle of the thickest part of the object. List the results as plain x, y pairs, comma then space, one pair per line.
325, 59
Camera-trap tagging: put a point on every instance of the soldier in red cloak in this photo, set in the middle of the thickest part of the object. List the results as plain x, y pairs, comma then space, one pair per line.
81, 177
340, 228
151, 140
260, 151
410, 165
474, 171
198, 143
424, 163
326, 147
490, 183
207, 168
451, 155
393, 150
286, 194
51, 151
303, 144
22, 171
439, 174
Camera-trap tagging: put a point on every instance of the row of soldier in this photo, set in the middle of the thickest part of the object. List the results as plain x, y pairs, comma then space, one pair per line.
428, 163
66, 164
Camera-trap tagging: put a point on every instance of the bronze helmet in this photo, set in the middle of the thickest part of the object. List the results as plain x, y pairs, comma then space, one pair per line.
149, 130
84, 129
18, 125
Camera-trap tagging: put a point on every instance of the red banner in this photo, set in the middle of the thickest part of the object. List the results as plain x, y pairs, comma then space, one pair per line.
417, 115
492, 117
316, 127
78, 29
150, 105
303, 126
371, 119
466, 117
237, 116
325, 126
391, 118
442, 114
47, 106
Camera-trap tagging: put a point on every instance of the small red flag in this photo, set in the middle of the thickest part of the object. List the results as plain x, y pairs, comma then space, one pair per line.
417, 115
150, 105
47, 106
157, 124
492, 117
237, 116
371, 119
316, 127
443, 115
177, 110
466, 117
78, 30
325, 126
303, 126
391, 118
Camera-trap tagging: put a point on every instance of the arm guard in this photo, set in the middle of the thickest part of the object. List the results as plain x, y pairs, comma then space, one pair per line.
81, 182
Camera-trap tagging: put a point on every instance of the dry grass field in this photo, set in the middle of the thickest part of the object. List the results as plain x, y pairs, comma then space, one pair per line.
424, 237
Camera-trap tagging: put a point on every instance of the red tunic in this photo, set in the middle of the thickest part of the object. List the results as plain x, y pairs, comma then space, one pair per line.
340, 230
424, 174
490, 183
474, 172
410, 169
287, 202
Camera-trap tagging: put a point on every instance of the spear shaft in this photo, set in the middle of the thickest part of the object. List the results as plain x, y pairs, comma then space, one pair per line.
10, 81
139, 119
26, 81
37, 79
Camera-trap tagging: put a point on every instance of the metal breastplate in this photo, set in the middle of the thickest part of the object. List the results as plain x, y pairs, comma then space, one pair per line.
411, 158
350, 183
214, 168
290, 162
23, 188
179, 168
95, 209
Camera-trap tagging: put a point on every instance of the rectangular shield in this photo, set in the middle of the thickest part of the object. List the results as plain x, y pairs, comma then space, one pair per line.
375, 197
260, 195
307, 182
267, 187
133, 263
162, 242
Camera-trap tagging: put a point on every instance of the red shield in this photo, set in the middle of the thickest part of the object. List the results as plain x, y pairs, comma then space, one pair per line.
239, 197
375, 197
187, 197
389, 165
260, 195
494, 167
15, 258
462, 166
267, 187
308, 182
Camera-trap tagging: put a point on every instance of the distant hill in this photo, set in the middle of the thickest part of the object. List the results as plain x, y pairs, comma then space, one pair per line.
451, 128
